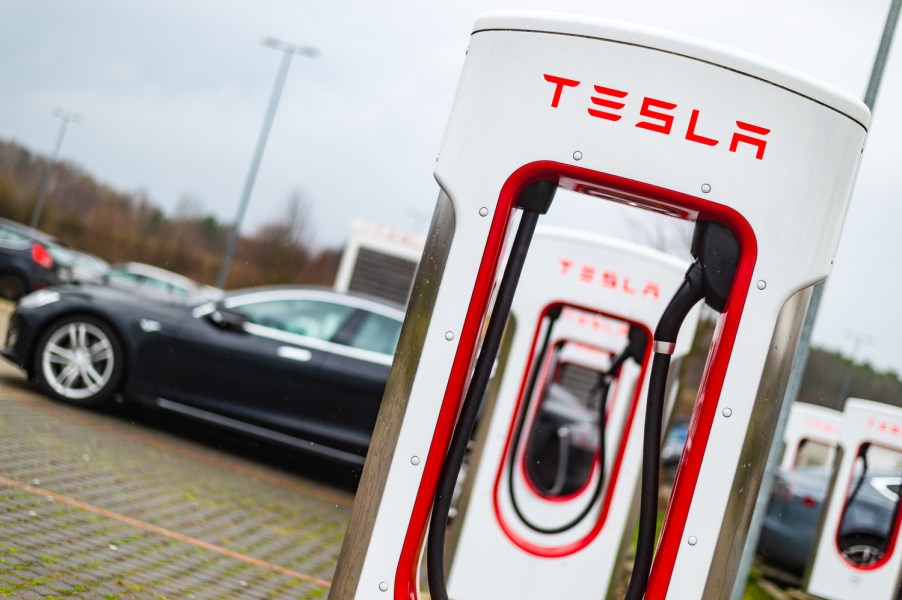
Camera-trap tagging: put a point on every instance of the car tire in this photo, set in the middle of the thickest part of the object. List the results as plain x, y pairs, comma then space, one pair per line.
862, 549
12, 285
79, 360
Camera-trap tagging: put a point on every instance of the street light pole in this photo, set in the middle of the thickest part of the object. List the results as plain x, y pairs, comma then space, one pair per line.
857, 340
800, 359
288, 51
66, 117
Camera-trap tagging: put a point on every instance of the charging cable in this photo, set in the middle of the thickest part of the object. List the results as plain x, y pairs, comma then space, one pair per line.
709, 278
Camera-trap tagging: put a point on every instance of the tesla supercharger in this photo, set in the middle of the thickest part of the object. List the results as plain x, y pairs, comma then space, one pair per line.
813, 425
857, 553
648, 119
508, 515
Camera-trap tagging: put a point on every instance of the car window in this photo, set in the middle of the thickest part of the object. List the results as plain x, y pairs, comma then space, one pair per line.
311, 318
377, 333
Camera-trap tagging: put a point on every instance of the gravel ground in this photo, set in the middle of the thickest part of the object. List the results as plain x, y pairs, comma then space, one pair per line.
103, 504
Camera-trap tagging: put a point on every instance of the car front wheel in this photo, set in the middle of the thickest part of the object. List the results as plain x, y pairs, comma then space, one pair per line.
862, 549
79, 360
12, 286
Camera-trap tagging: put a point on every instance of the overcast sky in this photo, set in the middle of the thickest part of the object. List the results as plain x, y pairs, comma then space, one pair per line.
173, 95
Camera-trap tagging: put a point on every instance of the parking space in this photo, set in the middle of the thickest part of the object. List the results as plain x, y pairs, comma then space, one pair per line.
98, 504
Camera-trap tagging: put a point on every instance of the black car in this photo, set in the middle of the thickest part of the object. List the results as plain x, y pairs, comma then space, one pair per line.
304, 367
29, 260
794, 512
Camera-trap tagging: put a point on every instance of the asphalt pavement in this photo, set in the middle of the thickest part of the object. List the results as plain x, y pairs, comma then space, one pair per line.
114, 504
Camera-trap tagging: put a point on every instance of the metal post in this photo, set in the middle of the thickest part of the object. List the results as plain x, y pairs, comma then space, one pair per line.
288, 51
800, 361
66, 116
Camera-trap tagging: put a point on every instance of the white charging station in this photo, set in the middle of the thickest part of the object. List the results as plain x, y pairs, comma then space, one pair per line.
810, 424
649, 119
840, 570
564, 268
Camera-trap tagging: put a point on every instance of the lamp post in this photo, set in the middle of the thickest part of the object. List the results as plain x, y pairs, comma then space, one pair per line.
288, 51
66, 118
800, 359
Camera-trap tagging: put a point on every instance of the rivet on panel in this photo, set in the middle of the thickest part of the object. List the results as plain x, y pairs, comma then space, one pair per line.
483, 212
577, 155
761, 284
383, 586
414, 460
706, 187
449, 335
728, 412
692, 540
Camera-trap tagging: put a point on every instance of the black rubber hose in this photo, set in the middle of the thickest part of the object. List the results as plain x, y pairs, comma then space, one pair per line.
463, 431
651, 461
599, 484
690, 293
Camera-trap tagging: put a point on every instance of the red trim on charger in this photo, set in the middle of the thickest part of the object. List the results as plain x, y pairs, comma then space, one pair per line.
575, 546
615, 188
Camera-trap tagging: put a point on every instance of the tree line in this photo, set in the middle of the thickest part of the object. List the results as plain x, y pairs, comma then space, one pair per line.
117, 226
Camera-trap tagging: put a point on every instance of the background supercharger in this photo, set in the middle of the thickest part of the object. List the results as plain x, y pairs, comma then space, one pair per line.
831, 575
575, 270
809, 423
641, 117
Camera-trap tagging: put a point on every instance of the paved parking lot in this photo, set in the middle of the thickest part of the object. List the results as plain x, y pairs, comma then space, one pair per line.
104, 504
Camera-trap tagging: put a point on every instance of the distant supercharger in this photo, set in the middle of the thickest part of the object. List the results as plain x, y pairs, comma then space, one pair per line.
564, 269
857, 552
643, 118
809, 424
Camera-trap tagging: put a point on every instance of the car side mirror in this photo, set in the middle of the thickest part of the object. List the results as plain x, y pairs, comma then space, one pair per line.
227, 319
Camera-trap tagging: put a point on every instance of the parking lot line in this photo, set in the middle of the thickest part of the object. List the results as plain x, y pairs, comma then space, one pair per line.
174, 535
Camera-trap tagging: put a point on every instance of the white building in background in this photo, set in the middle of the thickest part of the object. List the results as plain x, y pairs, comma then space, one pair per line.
379, 261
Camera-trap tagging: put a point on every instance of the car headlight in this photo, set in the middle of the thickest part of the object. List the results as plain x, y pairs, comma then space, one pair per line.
39, 298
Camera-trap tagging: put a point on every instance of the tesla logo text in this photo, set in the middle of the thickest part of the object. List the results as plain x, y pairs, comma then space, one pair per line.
821, 426
609, 279
596, 322
658, 116
885, 427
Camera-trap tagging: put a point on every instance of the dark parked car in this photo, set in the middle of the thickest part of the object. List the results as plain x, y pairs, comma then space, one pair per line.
154, 281
29, 260
794, 511
303, 367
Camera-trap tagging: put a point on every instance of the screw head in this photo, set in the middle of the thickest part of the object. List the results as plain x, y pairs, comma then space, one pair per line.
577, 155
706, 187
692, 540
414, 460
483, 212
449, 335
728, 412
383, 586
761, 284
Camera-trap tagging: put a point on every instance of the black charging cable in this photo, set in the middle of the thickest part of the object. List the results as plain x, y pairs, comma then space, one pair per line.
635, 349
533, 201
709, 278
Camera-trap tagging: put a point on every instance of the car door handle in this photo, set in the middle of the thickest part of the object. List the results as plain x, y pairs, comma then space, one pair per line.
292, 353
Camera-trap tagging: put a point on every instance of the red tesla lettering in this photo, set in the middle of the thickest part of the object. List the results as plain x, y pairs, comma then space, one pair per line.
559, 84
609, 279
753, 141
694, 137
587, 273
651, 289
601, 114
627, 288
666, 120
565, 265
